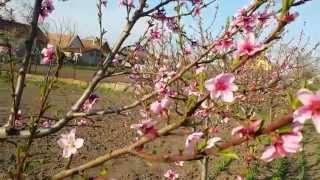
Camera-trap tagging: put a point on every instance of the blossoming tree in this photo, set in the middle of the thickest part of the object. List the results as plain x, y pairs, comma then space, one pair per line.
181, 82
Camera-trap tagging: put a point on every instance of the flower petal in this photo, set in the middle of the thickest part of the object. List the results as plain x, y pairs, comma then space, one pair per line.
227, 96
316, 122
302, 114
305, 96
79, 143
269, 154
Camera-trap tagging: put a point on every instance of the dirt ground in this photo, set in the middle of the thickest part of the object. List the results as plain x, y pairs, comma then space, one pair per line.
83, 73
113, 131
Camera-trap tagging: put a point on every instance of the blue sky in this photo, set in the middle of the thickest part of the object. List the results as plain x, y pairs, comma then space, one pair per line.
83, 13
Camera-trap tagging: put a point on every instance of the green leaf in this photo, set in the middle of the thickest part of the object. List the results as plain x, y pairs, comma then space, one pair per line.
228, 154
103, 172
201, 145
201, 79
191, 101
285, 129
294, 102
235, 62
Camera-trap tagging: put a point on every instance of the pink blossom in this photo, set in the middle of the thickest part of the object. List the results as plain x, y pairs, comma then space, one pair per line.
171, 175
128, 3
212, 142
192, 141
45, 9
244, 21
160, 107
239, 178
263, 17
222, 86
160, 15
104, 3
192, 89
139, 51
200, 69
48, 54
179, 163
146, 127
187, 51
310, 108
224, 44
197, 10
197, 1
173, 25
69, 143
82, 122
155, 34
19, 121
247, 131
48, 124
288, 18
203, 111
284, 144
247, 46
90, 102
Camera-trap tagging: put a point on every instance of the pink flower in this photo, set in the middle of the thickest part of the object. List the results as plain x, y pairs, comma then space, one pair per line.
128, 3
244, 21
159, 107
146, 127
212, 142
197, 10
247, 131
310, 108
239, 178
90, 102
284, 144
263, 17
221, 86
288, 18
248, 46
48, 124
192, 89
45, 9
19, 121
69, 143
224, 44
155, 34
172, 24
48, 54
203, 111
171, 175
82, 122
179, 163
196, 1
104, 3
200, 69
192, 141
139, 51
187, 51
160, 15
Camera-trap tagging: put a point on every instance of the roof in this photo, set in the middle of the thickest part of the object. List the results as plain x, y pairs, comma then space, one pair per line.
90, 43
59, 39
20, 30
79, 50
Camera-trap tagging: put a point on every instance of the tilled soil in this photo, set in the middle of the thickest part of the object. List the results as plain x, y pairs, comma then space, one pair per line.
113, 131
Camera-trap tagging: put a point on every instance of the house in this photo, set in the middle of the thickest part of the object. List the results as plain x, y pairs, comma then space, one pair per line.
13, 35
77, 50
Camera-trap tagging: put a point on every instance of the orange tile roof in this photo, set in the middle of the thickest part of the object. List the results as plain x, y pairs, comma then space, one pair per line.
59, 39
90, 43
